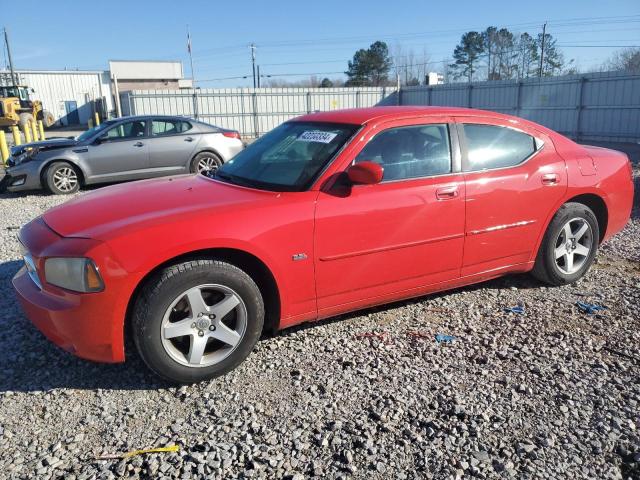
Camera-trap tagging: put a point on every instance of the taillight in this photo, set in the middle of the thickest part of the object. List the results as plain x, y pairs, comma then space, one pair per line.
231, 134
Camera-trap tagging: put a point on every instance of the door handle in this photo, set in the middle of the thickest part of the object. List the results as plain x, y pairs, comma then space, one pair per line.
447, 193
188, 139
549, 179
138, 144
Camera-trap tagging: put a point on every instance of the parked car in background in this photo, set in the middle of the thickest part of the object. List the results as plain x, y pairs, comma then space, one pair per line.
127, 148
327, 213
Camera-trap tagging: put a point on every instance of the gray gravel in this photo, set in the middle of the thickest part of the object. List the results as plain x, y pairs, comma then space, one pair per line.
549, 394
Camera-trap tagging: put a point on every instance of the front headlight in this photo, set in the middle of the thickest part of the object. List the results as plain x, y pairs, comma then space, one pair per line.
77, 274
27, 154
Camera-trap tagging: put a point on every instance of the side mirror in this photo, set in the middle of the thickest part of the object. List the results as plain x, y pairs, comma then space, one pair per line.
98, 141
365, 173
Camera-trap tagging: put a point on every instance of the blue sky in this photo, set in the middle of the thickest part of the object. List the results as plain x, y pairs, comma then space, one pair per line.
309, 37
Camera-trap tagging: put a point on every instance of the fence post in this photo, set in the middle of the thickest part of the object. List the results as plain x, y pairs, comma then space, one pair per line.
358, 99
308, 101
429, 90
195, 103
469, 88
580, 107
518, 97
400, 96
254, 97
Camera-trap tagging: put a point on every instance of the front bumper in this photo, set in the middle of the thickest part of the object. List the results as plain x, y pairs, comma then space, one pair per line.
89, 325
21, 177
75, 324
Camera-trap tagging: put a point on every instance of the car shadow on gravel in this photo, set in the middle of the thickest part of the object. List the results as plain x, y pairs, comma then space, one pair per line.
31, 363
518, 281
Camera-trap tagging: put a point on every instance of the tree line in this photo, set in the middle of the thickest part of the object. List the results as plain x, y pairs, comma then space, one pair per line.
499, 54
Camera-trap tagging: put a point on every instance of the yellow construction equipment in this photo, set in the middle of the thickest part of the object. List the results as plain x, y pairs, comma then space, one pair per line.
41, 130
97, 119
16, 108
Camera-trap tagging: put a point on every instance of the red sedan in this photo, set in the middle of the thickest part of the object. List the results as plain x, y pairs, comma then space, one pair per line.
327, 213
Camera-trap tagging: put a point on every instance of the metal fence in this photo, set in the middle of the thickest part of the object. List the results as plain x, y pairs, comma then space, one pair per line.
251, 111
595, 106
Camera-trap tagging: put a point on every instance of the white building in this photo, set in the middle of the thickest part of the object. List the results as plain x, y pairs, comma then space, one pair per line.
72, 96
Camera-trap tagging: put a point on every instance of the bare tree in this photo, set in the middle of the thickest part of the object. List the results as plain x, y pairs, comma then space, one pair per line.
627, 60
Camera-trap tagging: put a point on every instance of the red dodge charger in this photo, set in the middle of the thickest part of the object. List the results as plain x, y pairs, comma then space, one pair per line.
327, 213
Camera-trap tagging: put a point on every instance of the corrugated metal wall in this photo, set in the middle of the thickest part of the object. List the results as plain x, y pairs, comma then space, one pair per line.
54, 88
251, 112
595, 106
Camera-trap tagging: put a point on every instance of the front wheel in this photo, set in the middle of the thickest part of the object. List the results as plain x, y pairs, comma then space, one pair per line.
569, 245
197, 320
61, 179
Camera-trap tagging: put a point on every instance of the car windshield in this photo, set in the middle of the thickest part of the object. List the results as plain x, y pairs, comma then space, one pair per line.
289, 158
95, 130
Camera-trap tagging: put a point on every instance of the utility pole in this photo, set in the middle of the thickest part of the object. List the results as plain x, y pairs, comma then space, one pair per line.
544, 31
253, 62
13, 73
258, 67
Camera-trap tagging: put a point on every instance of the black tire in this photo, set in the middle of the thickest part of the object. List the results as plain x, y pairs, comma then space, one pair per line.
170, 284
47, 118
212, 157
24, 119
546, 268
52, 181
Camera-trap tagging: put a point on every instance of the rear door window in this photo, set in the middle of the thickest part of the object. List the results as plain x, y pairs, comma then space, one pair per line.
491, 146
169, 127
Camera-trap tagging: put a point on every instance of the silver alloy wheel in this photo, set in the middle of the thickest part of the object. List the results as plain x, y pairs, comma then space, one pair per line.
573, 245
203, 325
207, 164
65, 179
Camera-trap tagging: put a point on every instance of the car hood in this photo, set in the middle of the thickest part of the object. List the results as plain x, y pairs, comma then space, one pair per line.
53, 143
104, 213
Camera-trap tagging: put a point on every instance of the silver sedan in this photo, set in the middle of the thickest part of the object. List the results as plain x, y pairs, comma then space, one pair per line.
128, 148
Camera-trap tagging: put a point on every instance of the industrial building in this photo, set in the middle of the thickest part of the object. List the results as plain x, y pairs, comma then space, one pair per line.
72, 96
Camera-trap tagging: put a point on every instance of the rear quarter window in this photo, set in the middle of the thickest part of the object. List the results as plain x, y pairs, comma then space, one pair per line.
490, 146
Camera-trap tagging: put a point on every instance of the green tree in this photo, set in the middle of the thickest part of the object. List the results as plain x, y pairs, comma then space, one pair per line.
326, 83
528, 57
369, 67
489, 48
467, 55
552, 58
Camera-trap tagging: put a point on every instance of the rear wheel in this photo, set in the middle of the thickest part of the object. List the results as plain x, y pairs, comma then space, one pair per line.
47, 119
197, 320
569, 245
61, 178
205, 162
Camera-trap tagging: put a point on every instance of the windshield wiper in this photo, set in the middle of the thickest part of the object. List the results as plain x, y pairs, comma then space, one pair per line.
233, 179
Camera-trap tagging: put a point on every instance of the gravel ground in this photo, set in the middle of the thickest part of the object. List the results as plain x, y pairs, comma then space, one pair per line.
552, 393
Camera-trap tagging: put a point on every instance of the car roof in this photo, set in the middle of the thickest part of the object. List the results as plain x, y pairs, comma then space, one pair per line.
361, 116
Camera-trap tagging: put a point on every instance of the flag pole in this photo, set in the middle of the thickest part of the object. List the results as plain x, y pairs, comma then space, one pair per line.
189, 49
193, 76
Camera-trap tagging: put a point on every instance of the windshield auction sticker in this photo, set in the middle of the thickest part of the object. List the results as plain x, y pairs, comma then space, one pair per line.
317, 136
